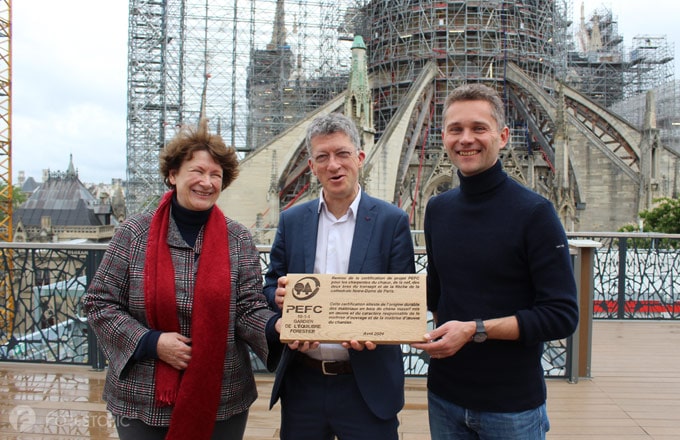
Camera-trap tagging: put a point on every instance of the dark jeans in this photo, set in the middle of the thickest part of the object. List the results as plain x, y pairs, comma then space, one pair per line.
134, 429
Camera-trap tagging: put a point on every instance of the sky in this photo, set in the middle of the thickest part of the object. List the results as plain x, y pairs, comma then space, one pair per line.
69, 87
69, 79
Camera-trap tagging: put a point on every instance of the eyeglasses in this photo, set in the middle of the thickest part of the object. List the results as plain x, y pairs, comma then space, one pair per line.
340, 156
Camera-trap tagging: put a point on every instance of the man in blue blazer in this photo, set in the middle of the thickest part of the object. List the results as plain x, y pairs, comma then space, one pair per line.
352, 390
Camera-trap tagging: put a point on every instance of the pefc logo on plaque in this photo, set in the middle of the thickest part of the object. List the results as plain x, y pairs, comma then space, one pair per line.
382, 308
306, 288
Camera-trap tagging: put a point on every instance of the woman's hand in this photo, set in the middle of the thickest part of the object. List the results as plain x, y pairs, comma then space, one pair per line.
303, 346
174, 349
280, 292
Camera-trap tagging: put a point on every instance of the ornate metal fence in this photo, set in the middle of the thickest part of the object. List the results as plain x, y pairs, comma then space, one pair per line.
636, 276
41, 317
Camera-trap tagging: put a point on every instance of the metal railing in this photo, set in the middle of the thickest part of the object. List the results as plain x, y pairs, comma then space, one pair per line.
635, 276
41, 316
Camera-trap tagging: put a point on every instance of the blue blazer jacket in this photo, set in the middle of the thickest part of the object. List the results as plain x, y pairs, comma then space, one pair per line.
382, 244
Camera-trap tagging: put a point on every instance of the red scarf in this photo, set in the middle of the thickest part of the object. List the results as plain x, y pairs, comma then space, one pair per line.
195, 392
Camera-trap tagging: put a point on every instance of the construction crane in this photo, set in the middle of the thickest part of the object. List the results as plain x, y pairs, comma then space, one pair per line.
5, 120
6, 294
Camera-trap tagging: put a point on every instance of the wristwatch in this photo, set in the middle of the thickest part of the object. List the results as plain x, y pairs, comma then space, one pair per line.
480, 334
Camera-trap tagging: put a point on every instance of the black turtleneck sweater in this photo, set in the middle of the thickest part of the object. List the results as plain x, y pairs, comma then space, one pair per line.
496, 249
188, 222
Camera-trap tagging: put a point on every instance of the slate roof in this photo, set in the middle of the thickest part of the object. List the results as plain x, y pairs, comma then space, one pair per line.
62, 197
29, 185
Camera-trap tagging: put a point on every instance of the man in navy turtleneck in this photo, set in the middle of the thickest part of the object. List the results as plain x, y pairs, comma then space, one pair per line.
500, 284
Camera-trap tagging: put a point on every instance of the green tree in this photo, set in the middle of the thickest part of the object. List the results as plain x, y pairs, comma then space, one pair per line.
665, 217
18, 198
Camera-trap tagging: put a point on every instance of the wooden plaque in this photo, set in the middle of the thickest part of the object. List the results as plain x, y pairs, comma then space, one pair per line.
381, 308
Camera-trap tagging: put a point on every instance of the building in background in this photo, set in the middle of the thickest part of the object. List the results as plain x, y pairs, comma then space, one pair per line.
270, 66
61, 208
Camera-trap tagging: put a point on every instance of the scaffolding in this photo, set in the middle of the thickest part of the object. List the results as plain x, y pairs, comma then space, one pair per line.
652, 68
265, 64
618, 78
651, 64
262, 68
471, 41
257, 67
597, 64
602, 68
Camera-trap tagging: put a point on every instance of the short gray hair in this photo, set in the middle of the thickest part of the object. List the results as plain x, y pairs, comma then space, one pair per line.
330, 124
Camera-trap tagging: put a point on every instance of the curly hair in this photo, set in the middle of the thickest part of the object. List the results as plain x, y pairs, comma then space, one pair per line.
191, 139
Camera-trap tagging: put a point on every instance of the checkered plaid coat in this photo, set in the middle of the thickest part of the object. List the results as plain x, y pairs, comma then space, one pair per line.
115, 310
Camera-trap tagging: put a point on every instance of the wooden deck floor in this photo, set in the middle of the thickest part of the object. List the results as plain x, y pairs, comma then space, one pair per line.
633, 394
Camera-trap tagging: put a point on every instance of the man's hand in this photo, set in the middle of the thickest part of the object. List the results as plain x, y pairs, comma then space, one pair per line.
447, 339
174, 349
359, 345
